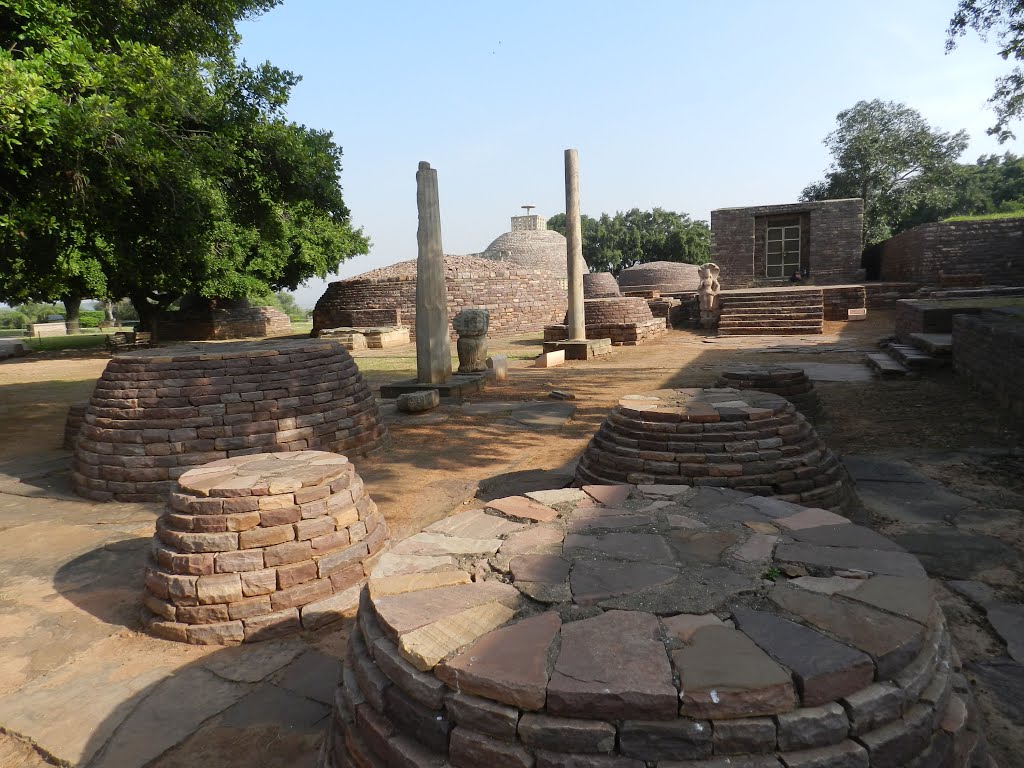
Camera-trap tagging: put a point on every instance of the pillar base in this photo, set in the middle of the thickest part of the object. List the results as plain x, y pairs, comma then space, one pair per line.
458, 385
580, 349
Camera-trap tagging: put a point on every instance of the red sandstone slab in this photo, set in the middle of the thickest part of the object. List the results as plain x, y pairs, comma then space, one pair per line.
891, 640
609, 495
596, 580
547, 568
625, 546
509, 665
723, 674
613, 667
403, 613
912, 598
474, 524
534, 539
824, 669
523, 508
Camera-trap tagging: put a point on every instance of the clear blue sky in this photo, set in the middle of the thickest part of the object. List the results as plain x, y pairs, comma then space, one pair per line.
683, 105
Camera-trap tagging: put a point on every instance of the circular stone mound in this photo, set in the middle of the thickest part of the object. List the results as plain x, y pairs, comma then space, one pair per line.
664, 276
533, 248
791, 383
155, 413
619, 626
615, 310
600, 285
726, 438
258, 546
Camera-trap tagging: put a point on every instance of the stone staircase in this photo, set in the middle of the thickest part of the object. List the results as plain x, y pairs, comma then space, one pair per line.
771, 313
926, 352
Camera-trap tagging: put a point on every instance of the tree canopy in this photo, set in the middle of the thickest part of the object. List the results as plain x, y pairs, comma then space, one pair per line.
888, 155
140, 159
613, 243
1003, 19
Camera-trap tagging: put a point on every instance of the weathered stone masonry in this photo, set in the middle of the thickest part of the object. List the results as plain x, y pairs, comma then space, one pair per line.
519, 299
993, 251
831, 241
988, 350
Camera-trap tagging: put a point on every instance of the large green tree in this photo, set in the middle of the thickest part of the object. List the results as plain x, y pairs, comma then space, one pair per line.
888, 155
613, 243
140, 159
1004, 20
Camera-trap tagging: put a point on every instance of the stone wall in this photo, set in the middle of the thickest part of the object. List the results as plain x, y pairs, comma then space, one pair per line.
838, 301
519, 299
831, 241
988, 350
622, 309
218, 324
951, 252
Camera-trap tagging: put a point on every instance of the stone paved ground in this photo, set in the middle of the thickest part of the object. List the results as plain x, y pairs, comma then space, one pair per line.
78, 678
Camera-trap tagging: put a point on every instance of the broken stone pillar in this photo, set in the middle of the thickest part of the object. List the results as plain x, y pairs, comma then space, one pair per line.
433, 346
471, 325
574, 246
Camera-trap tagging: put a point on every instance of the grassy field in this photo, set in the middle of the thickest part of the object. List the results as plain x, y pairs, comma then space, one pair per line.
987, 216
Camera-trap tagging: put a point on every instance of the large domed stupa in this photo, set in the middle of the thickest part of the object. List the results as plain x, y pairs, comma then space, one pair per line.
520, 279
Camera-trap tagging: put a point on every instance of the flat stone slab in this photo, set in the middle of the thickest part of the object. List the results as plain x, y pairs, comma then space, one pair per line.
957, 554
896, 490
841, 372
403, 613
544, 416
723, 673
824, 670
851, 558
475, 524
440, 544
523, 508
1007, 620
596, 580
547, 568
625, 546
509, 665
558, 496
613, 667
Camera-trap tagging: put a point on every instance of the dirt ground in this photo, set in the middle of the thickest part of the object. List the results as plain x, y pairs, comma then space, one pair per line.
440, 461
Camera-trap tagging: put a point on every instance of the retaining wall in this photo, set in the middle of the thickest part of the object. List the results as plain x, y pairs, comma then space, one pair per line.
956, 252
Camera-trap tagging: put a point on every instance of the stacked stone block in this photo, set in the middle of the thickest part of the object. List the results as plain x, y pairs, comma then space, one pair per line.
73, 423
155, 414
599, 285
839, 300
623, 627
519, 298
785, 381
255, 547
222, 323
626, 320
988, 250
664, 276
988, 350
722, 437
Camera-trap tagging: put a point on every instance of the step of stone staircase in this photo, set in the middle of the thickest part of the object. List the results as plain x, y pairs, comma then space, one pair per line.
767, 321
936, 344
789, 329
801, 301
884, 365
914, 358
728, 309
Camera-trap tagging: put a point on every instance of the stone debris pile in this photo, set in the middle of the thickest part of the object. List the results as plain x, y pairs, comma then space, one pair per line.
659, 625
720, 437
258, 546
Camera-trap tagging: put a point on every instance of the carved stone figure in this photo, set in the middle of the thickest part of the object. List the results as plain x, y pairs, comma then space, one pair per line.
706, 293
471, 325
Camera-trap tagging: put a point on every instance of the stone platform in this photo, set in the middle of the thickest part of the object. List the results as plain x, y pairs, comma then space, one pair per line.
720, 437
580, 349
658, 626
789, 382
156, 413
255, 547
459, 385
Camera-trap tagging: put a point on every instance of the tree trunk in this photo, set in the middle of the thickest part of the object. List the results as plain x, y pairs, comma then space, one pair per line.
146, 311
72, 306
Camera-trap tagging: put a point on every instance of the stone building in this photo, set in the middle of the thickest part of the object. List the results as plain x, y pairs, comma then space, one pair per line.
766, 244
520, 278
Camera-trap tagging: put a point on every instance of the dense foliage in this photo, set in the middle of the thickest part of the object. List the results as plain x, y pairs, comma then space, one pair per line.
888, 155
1004, 19
613, 243
139, 159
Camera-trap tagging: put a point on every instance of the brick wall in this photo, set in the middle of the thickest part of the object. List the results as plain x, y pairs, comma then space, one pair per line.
988, 350
519, 299
831, 240
954, 251
837, 302
220, 324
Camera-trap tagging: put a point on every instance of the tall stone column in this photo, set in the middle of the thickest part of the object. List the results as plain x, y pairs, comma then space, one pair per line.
574, 245
433, 345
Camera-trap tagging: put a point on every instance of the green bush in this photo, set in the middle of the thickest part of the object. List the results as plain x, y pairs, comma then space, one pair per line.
12, 318
90, 318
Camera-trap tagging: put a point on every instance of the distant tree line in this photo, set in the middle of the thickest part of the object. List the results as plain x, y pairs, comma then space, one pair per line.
612, 243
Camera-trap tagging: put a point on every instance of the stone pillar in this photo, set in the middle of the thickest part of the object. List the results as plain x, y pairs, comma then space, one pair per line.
574, 246
433, 346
